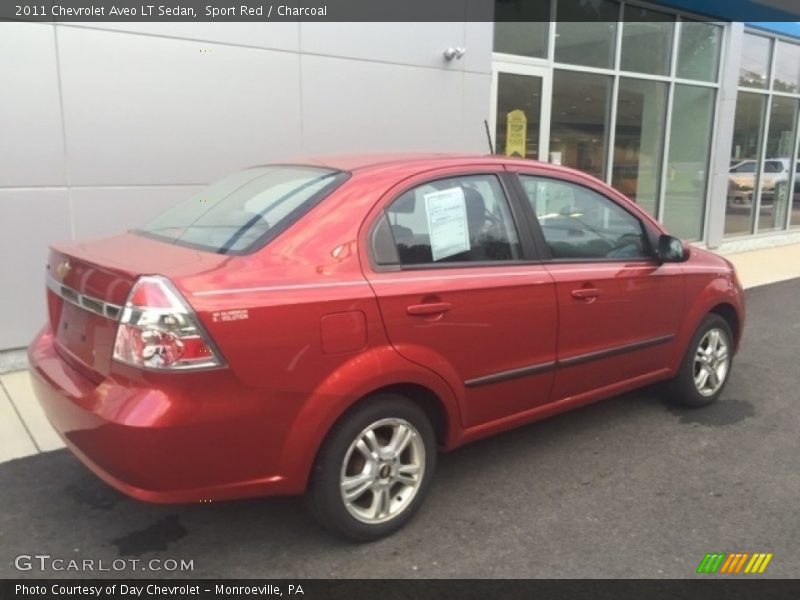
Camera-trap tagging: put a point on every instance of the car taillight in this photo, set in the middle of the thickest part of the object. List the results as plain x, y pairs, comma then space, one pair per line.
158, 330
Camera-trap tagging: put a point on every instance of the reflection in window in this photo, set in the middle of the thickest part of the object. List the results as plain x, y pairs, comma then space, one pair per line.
795, 219
579, 122
461, 219
698, 50
519, 101
521, 28
747, 130
646, 41
638, 140
775, 174
787, 68
689, 145
585, 32
579, 223
754, 68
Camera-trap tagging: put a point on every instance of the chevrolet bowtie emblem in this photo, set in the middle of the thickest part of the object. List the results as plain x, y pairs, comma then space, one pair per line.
63, 269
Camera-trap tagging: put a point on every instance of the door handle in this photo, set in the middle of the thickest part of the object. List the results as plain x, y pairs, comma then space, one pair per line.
429, 308
585, 293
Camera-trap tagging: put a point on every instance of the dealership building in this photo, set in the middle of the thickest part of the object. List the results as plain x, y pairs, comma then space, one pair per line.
692, 115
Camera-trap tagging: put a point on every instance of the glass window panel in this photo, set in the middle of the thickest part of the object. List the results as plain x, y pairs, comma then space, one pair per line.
795, 222
787, 68
585, 32
646, 40
245, 210
521, 28
639, 139
698, 50
754, 68
748, 129
579, 124
579, 223
775, 173
473, 222
689, 145
518, 93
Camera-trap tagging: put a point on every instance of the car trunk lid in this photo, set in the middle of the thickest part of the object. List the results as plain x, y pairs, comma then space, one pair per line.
88, 284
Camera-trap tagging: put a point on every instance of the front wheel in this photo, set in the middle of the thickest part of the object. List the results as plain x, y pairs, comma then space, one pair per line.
706, 365
374, 469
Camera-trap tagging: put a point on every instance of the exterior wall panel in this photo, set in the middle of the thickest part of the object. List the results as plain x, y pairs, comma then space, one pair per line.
31, 140
152, 110
31, 219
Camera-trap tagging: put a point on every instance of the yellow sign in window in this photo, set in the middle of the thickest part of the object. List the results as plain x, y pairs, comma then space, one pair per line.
516, 132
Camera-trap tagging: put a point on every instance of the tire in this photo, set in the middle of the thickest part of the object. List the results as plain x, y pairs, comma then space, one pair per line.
689, 387
385, 489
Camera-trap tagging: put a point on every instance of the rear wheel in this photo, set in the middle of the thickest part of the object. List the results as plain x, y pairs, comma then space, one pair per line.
374, 469
706, 365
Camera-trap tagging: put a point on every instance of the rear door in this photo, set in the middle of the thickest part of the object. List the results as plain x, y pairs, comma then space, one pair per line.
460, 291
619, 308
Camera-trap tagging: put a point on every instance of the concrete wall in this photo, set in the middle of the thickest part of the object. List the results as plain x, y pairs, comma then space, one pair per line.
104, 125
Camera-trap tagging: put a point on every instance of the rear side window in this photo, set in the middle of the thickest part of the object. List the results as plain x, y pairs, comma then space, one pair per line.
579, 223
245, 210
459, 219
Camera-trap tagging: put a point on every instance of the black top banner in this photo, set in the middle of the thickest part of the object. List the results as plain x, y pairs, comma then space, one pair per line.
396, 589
372, 10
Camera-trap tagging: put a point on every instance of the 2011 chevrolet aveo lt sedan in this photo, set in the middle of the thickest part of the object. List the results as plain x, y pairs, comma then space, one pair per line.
325, 328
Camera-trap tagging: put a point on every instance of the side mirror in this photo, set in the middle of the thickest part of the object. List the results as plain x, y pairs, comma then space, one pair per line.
671, 249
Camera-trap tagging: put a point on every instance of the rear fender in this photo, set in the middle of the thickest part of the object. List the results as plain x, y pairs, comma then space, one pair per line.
357, 378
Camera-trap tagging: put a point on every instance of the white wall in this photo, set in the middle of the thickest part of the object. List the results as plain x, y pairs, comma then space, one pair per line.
104, 125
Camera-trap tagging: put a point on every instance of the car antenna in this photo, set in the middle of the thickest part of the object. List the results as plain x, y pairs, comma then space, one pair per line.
488, 136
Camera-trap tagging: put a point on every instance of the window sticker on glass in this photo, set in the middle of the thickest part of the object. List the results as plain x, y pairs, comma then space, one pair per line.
447, 222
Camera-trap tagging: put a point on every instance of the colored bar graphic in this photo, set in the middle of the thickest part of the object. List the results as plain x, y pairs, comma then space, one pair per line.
711, 562
733, 561
741, 562
727, 564
722, 563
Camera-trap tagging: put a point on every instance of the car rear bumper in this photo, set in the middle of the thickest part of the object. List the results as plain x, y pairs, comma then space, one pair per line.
160, 444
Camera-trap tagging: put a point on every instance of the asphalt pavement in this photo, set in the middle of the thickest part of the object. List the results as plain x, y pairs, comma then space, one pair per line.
629, 487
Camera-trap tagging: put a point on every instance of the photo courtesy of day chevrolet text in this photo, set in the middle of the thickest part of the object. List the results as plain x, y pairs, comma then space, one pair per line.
132, 590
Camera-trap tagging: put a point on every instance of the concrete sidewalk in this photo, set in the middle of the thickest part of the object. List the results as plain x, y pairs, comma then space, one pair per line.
24, 430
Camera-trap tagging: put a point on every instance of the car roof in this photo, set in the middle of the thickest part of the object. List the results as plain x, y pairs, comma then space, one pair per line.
383, 160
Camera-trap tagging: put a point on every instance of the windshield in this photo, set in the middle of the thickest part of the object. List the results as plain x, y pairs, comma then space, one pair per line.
245, 210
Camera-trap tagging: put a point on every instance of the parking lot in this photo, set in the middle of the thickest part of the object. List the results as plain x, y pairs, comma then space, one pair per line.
629, 487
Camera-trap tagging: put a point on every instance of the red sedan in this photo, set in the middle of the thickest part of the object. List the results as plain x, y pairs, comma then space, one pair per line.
326, 327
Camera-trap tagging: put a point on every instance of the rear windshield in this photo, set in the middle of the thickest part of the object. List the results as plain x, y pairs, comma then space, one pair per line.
245, 210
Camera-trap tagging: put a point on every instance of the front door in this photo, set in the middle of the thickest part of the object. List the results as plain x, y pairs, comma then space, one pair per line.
458, 297
521, 110
619, 309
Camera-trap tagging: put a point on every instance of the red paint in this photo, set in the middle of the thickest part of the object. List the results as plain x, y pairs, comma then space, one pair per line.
307, 328
343, 332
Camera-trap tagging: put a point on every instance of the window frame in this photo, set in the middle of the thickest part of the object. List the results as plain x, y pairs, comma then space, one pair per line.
528, 248
543, 248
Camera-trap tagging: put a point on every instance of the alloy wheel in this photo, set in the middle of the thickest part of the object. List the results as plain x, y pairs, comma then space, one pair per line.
711, 362
382, 470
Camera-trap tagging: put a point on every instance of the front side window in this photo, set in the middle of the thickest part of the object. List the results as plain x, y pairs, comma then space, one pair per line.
579, 223
459, 219
244, 210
